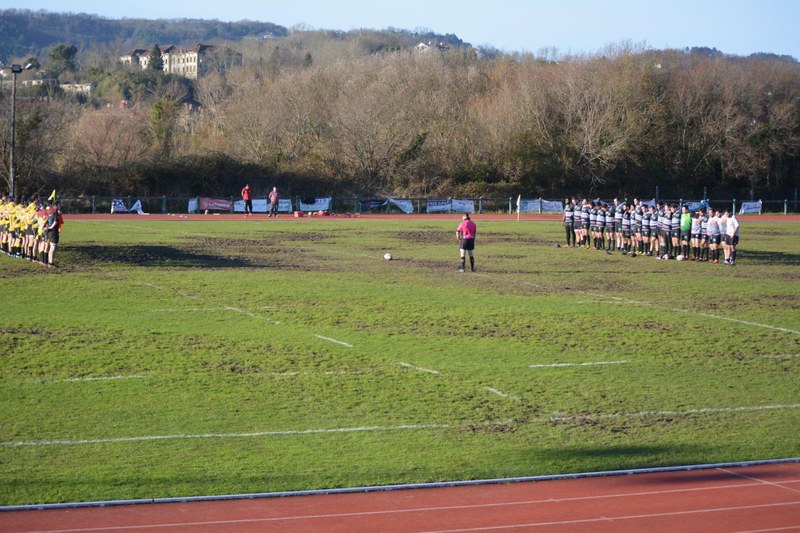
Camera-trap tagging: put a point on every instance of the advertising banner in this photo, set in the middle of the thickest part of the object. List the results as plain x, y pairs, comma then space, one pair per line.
215, 204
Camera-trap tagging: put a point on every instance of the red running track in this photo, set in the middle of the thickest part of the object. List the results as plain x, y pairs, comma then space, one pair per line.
754, 498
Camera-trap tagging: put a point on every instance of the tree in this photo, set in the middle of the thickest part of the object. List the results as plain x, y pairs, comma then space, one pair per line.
156, 62
61, 59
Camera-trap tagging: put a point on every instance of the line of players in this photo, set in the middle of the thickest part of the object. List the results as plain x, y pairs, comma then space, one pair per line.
29, 229
662, 230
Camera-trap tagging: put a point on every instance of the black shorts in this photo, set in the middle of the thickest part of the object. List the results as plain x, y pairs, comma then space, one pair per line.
695, 236
646, 233
626, 233
52, 236
731, 240
467, 244
685, 236
704, 237
585, 225
715, 239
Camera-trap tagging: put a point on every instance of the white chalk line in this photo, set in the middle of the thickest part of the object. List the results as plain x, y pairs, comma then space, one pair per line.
648, 304
688, 412
333, 340
786, 330
414, 427
150, 438
257, 317
503, 394
330, 373
559, 365
222, 308
421, 369
205, 309
251, 315
100, 378
437, 373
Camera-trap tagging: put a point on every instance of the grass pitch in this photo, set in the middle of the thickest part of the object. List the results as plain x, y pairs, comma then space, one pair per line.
194, 358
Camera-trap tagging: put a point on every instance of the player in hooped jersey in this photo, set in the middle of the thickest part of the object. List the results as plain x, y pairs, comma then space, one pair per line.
569, 228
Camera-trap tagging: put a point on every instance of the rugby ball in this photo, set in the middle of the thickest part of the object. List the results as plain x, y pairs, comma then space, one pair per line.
388, 257
681, 257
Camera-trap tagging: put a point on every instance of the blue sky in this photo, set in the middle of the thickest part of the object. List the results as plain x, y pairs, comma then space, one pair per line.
737, 27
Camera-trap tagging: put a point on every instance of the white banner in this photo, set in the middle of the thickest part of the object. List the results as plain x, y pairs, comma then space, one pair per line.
319, 204
439, 206
193, 203
262, 205
695, 205
406, 206
529, 206
552, 206
137, 208
750, 207
118, 206
463, 206
540, 206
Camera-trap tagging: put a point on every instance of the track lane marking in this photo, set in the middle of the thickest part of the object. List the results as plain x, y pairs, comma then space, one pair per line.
745, 484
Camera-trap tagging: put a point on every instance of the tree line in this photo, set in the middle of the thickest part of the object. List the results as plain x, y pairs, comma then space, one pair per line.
320, 113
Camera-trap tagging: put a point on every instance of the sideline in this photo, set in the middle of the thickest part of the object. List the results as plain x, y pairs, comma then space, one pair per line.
385, 488
550, 217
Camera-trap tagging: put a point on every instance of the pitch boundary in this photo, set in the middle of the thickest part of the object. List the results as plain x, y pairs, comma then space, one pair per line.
386, 488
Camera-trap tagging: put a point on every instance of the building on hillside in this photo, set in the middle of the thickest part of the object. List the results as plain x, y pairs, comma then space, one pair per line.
183, 62
430, 46
78, 88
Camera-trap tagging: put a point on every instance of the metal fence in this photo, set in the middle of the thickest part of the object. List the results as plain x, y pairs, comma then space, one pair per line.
342, 205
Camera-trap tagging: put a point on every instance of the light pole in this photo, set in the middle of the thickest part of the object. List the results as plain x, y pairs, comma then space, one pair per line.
15, 69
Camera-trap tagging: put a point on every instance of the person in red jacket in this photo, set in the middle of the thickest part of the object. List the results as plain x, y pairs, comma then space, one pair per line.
248, 200
466, 236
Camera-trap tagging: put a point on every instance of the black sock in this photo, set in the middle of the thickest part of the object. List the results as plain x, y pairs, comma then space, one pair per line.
471, 263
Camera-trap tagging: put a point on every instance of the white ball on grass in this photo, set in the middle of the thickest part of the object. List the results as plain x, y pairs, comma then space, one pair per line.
387, 256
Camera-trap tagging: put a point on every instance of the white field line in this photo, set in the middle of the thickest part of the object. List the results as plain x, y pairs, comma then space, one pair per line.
404, 427
149, 438
102, 378
787, 330
251, 315
559, 365
421, 369
333, 340
503, 394
205, 309
223, 308
616, 299
689, 412
331, 373
599, 302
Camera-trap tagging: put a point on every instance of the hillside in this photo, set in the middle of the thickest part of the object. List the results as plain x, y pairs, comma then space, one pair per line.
26, 33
